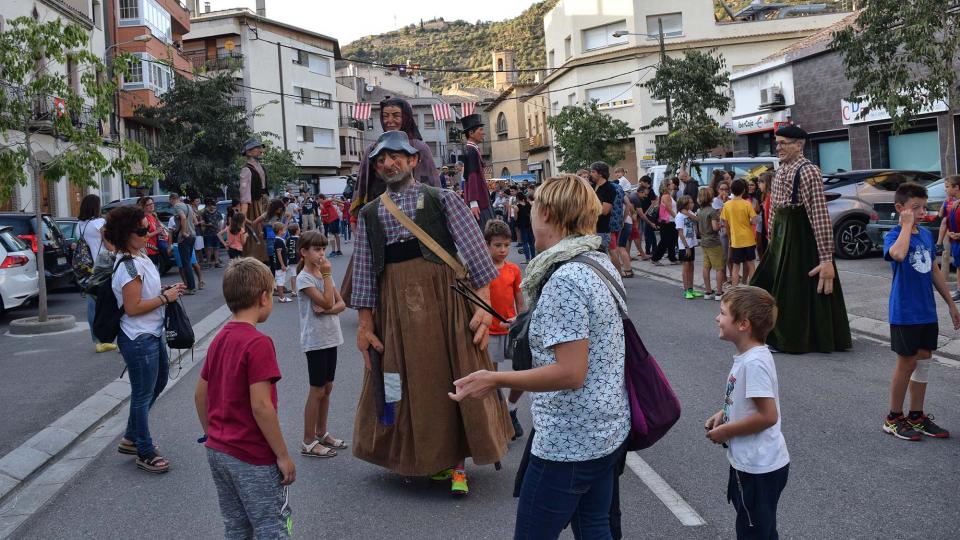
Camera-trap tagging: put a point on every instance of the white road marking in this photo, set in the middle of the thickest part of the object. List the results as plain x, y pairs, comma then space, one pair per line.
946, 362
670, 498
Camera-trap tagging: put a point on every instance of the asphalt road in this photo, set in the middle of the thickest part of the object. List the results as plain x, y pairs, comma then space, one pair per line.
848, 479
45, 376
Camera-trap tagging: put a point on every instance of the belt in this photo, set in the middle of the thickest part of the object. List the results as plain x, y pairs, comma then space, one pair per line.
403, 251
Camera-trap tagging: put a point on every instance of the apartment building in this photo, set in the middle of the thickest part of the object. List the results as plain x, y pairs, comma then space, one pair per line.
58, 196
586, 61
285, 79
152, 32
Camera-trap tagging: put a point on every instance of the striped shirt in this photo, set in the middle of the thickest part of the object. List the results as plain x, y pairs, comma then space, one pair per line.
463, 227
810, 196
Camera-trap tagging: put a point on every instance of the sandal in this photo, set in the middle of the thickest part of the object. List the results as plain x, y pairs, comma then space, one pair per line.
155, 464
130, 448
202, 284
628, 274
307, 450
332, 442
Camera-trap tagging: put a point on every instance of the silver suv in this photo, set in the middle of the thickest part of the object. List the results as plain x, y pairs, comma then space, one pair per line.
852, 199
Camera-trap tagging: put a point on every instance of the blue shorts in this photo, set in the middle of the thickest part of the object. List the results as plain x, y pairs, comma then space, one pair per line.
954, 255
176, 257
333, 227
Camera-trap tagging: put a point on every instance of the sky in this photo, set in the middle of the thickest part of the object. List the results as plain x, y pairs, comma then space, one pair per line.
352, 19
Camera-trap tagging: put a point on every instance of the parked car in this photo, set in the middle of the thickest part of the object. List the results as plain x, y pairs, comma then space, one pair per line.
70, 231
56, 251
853, 199
886, 216
740, 167
161, 204
19, 281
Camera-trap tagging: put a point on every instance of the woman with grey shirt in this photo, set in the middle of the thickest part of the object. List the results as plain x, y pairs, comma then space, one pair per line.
580, 410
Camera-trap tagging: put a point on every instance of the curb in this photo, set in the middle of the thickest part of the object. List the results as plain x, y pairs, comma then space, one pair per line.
948, 350
33, 458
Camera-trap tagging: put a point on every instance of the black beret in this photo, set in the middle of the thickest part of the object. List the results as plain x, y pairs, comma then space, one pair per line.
792, 132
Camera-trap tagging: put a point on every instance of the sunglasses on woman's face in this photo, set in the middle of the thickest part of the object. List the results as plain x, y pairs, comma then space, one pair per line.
141, 231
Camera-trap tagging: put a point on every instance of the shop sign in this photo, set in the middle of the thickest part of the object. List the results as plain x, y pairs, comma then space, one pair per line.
858, 113
761, 122
646, 163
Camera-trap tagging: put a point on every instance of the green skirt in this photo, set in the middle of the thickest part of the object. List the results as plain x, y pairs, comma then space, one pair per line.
807, 321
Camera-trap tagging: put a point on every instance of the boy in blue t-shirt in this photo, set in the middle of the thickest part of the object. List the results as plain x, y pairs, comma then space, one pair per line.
913, 314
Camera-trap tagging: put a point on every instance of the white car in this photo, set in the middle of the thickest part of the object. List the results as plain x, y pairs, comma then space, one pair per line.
18, 271
738, 166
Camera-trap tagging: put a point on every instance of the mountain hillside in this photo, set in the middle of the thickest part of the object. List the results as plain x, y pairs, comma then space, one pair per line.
459, 45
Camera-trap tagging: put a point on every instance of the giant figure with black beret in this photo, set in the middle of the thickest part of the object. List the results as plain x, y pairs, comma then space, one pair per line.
798, 267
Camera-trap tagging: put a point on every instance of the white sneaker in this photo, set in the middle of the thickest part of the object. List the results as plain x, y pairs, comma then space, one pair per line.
718, 297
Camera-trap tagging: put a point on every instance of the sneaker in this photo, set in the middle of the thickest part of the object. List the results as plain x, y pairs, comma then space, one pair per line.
458, 484
517, 428
190, 292
442, 476
900, 428
105, 347
688, 295
955, 296
708, 295
697, 294
718, 296
925, 425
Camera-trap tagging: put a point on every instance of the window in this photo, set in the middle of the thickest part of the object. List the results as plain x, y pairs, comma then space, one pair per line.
319, 65
505, 173
834, 156
135, 76
672, 25
129, 9
301, 57
313, 97
614, 95
304, 134
571, 99
97, 15
323, 138
501, 124
428, 121
343, 145
147, 13
551, 59
555, 107
73, 77
567, 47
499, 64
915, 151
602, 36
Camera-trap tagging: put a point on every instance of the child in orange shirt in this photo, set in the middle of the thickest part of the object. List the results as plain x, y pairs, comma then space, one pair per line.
506, 299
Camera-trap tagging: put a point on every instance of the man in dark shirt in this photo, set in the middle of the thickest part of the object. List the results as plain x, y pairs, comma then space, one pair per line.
607, 195
643, 200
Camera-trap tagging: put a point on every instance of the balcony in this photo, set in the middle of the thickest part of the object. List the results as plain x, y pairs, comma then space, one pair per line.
47, 112
353, 123
536, 143
203, 62
238, 101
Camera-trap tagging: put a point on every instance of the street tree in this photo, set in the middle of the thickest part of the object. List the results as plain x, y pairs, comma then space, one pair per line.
38, 103
696, 86
282, 166
201, 132
902, 56
583, 134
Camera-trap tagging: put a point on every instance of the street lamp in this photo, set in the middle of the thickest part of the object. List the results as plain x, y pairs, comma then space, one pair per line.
663, 57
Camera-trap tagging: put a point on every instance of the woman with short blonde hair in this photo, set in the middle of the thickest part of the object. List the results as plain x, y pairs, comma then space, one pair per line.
577, 344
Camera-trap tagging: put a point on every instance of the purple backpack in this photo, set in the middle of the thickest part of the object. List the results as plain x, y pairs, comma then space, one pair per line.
654, 407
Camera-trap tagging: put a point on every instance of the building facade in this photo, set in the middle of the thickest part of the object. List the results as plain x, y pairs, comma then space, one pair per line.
59, 196
587, 62
539, 141
285, 77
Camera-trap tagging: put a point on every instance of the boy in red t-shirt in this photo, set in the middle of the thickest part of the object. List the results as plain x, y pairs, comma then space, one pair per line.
248, 458
506, 299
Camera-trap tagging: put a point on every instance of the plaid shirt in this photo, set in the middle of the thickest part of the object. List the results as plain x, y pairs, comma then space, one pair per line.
463, 227
810, 195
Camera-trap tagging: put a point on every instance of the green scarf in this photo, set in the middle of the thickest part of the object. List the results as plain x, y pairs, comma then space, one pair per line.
564, 250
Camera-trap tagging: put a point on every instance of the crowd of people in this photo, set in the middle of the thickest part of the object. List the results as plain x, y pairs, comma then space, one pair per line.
437, 302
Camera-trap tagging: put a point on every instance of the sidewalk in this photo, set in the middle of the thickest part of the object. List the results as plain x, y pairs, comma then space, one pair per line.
865, 293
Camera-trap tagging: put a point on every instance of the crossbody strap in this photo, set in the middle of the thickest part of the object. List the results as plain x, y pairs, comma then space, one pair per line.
619, 294
423, 237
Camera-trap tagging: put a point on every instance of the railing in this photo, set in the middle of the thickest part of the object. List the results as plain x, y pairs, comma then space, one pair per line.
238, 101
347, 122
202, 61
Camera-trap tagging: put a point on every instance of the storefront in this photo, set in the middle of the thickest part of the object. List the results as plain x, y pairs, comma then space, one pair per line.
915, 148
755, 133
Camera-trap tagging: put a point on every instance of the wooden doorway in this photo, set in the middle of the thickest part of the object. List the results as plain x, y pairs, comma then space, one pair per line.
44, 194
75, 194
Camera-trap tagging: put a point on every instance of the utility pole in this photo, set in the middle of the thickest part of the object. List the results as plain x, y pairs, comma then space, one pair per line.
663, 60
283, 106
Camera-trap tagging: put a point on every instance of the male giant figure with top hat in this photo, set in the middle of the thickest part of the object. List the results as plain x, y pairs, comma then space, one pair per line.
798, 268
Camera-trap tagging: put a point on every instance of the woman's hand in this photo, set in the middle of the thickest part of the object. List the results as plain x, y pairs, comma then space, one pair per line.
173, 292
476, 384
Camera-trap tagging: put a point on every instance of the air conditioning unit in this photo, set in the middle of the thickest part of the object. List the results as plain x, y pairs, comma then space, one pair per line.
772, 98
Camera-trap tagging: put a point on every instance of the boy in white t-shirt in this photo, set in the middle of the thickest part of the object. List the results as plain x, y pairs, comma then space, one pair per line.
749, 423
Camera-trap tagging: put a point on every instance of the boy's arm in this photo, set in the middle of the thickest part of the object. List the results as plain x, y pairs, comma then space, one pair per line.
765, 417
683, 239
518, 300
200, 399
266, 416
898, 251
940, 283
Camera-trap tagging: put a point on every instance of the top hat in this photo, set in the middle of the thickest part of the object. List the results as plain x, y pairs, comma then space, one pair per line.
396, 141
471, 121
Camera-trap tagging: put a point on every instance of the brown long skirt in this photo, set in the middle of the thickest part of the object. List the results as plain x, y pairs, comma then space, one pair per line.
254, 245
424, 326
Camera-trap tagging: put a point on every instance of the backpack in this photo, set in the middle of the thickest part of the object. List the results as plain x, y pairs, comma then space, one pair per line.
83, 261
177, 328
107, 314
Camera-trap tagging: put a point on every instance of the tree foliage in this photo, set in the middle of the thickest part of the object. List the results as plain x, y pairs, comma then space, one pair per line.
282, 166
696, 85
200, 135
902, 56
584, 134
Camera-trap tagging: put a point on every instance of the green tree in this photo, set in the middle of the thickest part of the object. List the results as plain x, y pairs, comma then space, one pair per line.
696, 85
36, 99
201, 133
282, 166
902, 56
584, 134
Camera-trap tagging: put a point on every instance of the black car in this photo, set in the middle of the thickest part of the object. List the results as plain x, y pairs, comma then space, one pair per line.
56, 250
161, 204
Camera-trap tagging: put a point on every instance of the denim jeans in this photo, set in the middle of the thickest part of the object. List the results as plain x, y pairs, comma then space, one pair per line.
649, 238
526, 242
147, 367
185, 247
556, 493
91, 312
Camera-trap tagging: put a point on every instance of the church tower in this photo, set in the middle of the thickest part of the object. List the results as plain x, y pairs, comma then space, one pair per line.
504, 60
